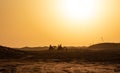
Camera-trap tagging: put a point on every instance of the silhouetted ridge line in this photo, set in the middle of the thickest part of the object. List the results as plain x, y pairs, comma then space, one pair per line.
6, 52
106, 46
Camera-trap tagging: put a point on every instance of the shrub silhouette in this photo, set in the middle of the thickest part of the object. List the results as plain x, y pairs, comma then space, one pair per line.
60, 47
51, 47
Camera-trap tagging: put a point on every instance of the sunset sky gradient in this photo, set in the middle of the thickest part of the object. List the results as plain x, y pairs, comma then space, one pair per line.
67, 22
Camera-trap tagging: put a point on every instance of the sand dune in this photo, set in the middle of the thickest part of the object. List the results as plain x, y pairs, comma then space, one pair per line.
54, 67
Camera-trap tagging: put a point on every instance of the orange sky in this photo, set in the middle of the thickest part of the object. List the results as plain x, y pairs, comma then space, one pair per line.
44, 22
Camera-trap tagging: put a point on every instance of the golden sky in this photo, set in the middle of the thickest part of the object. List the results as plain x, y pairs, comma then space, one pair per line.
67, 22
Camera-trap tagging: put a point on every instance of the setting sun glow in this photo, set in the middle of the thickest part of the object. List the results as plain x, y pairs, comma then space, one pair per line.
79, 9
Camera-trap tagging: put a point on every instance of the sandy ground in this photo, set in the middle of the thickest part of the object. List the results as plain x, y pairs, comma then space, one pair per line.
57, 67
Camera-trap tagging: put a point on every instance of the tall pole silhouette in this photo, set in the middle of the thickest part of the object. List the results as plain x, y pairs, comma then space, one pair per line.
102, 39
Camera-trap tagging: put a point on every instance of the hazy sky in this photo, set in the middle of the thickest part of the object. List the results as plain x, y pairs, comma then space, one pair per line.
67, 22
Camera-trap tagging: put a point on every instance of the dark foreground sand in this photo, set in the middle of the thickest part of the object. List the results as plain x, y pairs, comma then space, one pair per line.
56, 67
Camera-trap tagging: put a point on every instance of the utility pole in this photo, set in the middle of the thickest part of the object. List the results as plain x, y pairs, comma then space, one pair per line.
102, 39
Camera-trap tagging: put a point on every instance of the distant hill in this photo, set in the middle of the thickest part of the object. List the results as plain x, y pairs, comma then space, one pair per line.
6, 52
105, 46
34, 48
